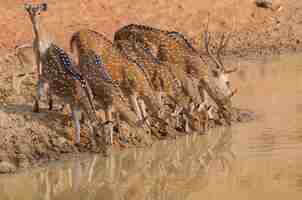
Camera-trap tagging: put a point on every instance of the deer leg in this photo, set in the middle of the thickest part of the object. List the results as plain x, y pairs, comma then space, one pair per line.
176, 112
159, 99
50, 103
205, 101
186, 125
40, 93
76, 115
208, 117
191, 107
191, 88
135, 106
143, 109
109, 127
210, 112
49, 96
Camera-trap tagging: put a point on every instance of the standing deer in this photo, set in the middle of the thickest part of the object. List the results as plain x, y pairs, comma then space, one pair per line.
58, 76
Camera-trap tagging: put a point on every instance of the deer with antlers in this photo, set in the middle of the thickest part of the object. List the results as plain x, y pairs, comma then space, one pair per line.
184, 60
58, 76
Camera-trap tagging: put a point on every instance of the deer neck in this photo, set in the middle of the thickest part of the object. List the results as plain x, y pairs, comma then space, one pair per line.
41, 39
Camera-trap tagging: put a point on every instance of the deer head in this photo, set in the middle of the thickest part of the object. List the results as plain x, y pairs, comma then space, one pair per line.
34, 10
220, 73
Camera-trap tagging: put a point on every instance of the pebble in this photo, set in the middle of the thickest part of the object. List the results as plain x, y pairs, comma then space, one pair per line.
264, 3
7, 167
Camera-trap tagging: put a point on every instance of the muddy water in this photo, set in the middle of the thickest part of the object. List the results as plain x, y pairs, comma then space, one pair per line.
257, 160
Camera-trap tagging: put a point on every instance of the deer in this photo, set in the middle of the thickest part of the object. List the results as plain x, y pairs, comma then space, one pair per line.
172, 47
99, 60
58, 76
164, 81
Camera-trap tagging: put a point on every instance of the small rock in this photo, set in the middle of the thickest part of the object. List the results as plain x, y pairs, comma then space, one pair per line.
23, 161
264, 3
24, 149
7, 167
61, 142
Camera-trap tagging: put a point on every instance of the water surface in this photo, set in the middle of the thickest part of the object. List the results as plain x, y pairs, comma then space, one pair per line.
256, 160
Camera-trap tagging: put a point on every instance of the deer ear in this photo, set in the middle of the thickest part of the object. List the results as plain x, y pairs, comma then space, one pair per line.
44, 6
27, 6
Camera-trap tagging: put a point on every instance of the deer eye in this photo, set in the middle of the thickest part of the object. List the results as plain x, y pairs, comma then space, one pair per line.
215, 73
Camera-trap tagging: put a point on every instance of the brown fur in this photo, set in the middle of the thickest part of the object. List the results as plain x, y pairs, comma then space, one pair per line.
125, 74
173, 48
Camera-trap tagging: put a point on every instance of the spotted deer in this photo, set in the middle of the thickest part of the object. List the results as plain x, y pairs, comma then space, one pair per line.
100, 60
173, 48
165, 82
57, 76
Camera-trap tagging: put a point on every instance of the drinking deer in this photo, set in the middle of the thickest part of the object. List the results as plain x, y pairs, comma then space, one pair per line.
165, 82
174, 48
100, 60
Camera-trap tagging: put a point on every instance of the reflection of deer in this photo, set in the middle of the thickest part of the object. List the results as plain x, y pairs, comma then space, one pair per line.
99, 59
173, 47
57, 75
60, 182
172, 169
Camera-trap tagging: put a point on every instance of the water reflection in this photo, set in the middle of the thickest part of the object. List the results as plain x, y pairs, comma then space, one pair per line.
168, 170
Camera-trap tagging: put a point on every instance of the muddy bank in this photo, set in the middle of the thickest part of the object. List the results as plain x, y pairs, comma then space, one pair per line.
29, 139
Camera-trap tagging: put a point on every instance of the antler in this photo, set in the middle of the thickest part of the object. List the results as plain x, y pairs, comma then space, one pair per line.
224, 40
222, 45
207, 39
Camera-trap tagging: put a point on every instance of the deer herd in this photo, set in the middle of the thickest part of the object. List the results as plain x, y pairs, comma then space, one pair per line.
148, 77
